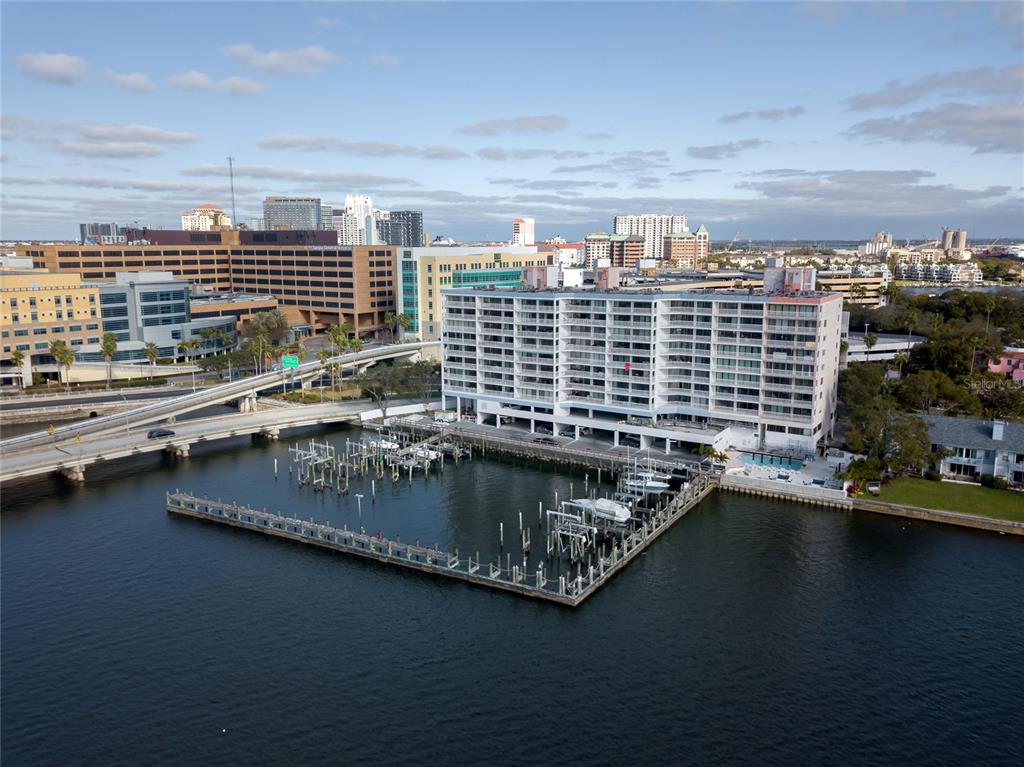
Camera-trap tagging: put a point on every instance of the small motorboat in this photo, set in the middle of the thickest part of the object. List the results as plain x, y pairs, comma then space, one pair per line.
605, 508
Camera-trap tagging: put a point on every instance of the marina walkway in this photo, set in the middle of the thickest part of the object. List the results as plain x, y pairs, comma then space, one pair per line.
568, 591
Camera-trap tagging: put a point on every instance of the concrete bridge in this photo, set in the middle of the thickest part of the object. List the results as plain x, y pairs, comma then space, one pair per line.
245, 391
70, 457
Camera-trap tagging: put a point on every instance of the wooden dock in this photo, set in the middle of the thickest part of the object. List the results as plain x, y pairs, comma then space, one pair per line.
568, 591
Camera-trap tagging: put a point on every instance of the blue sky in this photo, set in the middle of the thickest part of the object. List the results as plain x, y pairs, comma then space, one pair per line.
770, 119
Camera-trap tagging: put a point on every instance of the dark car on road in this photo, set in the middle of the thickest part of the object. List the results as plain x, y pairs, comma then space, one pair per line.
545, 440
158, 433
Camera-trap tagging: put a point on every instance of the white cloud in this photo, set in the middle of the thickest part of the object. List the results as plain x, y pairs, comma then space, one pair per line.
501, 154
724, 151
59, 68
191, 81
200, 81
335, 179
241, 86
981, 81
309, 60
771, 115
134, 149
328, 22
132, 81
361, 148
529, 124
95, 140
986, 128
133, 132
383, 61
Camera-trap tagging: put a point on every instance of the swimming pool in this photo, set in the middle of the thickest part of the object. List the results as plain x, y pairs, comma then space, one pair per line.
760, 459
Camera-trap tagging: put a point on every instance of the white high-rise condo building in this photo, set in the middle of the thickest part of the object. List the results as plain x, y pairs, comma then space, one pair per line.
653, 228
205, 218
522, 231
673, 369
351, 221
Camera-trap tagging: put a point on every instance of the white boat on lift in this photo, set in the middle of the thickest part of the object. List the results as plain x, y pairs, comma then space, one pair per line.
653, 475
427, 453
639, 482
384, 444
605, 509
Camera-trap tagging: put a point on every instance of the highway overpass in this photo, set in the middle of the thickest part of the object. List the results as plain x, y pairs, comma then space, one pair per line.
246, 388
71, 458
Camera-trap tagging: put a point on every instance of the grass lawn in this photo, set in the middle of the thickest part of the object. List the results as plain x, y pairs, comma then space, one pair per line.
946, 496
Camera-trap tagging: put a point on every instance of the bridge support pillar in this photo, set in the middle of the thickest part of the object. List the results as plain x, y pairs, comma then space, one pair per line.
272, 433
179, 451
73, 473
247, 404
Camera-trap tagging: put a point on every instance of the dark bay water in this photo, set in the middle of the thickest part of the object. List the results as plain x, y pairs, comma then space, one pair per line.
753, 632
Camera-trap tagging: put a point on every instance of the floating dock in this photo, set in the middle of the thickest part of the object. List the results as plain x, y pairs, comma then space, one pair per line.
565, 590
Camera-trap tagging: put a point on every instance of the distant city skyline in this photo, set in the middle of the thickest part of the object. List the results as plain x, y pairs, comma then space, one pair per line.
774, 120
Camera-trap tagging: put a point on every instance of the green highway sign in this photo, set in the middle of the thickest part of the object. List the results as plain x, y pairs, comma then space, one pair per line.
290, 361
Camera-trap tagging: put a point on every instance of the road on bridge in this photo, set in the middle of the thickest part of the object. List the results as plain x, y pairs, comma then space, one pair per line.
159, 411
109, 446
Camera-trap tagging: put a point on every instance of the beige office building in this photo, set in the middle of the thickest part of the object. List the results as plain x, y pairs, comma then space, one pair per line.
37, 307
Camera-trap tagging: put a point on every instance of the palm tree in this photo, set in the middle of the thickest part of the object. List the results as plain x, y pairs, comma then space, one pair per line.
108, 348
209, 335
899, 361
391, 322
325, 355
18, 359
405, 321
355, 345
870, 340
152, 353
64, 357
188, 346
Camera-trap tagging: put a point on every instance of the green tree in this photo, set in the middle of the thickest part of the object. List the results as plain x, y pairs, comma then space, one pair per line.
324, 355
708, 451
383, 383
152, 353
18, 359
108, 348
870, 340
272, 324
391, 322
405, 321
899, 361
188, 348
209, 337
1001, 398
65, 357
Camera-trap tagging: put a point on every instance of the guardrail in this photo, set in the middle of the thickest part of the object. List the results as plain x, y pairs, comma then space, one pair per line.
211, 396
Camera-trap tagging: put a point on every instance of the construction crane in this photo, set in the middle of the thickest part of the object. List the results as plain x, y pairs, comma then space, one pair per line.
732, 242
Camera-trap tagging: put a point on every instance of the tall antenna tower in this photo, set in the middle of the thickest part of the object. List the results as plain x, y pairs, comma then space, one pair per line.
231, 175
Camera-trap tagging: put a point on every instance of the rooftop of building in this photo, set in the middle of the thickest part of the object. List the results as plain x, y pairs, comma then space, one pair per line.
974, 433
231, 298
650, 294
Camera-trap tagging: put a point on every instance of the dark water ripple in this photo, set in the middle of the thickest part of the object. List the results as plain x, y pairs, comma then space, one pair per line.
754, 632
